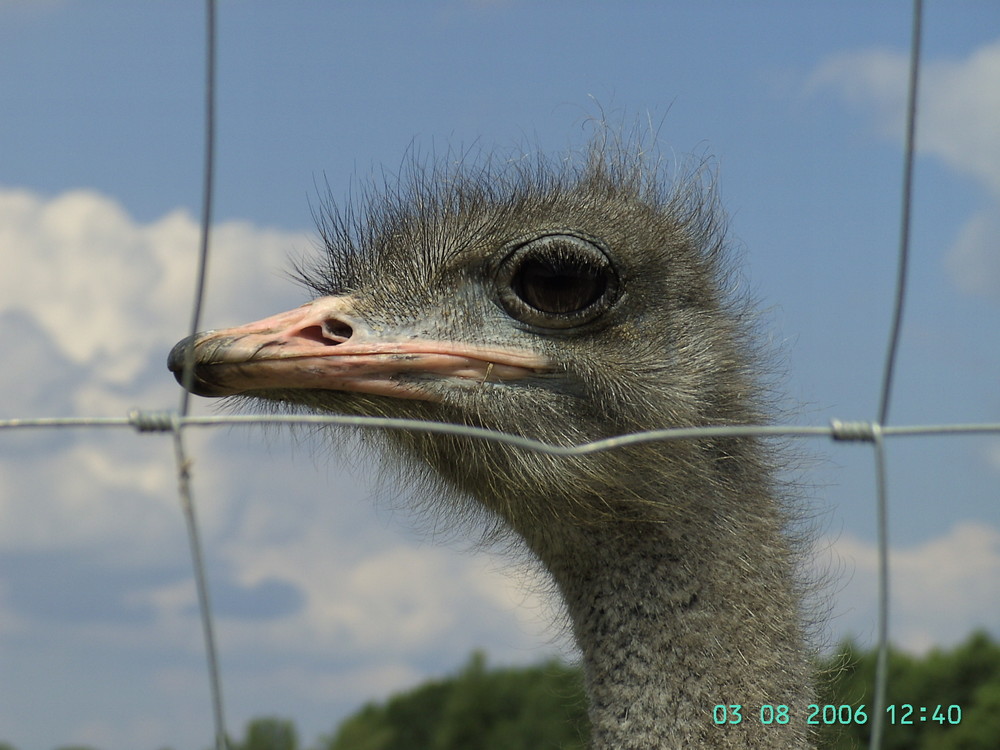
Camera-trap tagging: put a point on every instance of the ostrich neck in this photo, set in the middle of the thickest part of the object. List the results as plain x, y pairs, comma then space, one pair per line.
674, 618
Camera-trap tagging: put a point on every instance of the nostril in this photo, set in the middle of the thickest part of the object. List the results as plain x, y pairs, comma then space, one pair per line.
329, 332
337, 330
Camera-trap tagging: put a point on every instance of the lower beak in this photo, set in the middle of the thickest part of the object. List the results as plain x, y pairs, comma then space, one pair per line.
323, 345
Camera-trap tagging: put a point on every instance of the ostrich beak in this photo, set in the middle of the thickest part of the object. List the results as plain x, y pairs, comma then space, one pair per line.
323, 345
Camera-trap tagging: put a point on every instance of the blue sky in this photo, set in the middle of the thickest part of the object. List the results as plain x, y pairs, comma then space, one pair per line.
325, 598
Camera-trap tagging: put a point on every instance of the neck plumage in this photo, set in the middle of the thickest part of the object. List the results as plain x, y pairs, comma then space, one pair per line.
675, 617
678, 578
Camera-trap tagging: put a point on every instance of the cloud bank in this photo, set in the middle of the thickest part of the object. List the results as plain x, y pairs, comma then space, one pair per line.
93, 558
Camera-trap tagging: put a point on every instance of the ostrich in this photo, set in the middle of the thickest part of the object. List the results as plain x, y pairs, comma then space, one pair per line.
568, 301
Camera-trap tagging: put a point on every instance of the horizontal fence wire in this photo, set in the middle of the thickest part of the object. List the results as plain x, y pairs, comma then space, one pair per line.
875, 432
842, 431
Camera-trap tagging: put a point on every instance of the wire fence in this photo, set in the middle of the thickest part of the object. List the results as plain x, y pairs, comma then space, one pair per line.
875, 431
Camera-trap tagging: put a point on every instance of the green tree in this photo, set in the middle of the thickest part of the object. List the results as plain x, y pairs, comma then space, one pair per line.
269, 733
500, 709
512, 709
967, 676
544, 706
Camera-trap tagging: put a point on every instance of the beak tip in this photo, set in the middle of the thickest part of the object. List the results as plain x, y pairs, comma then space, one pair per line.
182, 353
179, 354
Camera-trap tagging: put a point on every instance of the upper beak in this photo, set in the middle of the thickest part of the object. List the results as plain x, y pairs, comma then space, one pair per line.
324, 345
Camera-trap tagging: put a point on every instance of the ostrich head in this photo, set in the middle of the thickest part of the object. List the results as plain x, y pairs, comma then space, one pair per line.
564, 301
556, 301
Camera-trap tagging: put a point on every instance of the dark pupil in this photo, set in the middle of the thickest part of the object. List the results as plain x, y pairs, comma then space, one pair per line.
559, 285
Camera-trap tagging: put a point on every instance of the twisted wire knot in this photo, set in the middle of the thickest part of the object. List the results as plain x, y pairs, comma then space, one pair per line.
153, 421
863, 432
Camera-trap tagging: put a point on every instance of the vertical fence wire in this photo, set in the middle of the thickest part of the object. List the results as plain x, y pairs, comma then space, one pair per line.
882, 489
180, 455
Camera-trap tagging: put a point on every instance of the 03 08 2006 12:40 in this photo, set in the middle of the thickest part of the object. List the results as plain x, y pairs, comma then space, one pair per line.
901, 713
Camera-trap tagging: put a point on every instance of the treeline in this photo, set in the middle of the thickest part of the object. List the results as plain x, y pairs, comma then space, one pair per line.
946, 700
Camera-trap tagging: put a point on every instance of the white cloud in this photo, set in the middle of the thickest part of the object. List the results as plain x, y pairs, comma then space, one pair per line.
939, 589
92, 301
111, 293
958, 122
84, 271
962, 117
959, 103
993, 454
395, 600
973, 262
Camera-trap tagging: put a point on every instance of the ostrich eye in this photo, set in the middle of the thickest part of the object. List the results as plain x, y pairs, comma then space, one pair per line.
557, 281
558, 285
